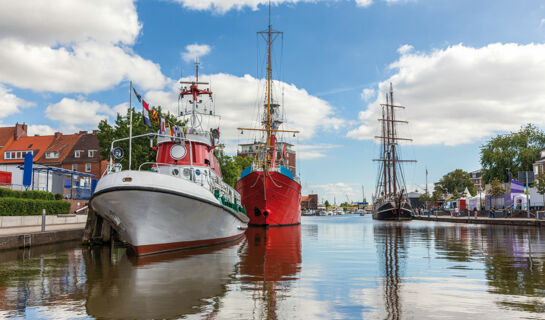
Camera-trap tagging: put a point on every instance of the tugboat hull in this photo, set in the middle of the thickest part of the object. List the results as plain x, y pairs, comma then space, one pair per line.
154, 218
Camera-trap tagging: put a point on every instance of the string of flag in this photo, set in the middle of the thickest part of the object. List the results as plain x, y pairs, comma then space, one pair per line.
165, 126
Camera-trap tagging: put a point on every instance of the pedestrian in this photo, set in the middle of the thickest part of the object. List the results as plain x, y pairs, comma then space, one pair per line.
429, 213
492, 212
457, 210
451, 212
508, 212
475, 212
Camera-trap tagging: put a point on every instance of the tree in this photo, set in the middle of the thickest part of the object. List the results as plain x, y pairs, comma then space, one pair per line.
496, 189
141, 152
540, 184
326, 204
425, 198
455, 183
512, 152
231, 166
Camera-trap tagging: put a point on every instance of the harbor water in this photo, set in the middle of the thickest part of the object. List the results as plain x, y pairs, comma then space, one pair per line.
339, 267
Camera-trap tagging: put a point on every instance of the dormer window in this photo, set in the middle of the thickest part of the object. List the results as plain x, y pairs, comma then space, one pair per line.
91, 153
52, 155
77, 153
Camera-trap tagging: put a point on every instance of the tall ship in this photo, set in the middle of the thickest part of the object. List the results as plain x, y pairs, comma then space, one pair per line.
390, 201
269, 188
180, 200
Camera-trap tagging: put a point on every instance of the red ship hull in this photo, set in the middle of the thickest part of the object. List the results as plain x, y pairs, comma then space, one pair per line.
272, 200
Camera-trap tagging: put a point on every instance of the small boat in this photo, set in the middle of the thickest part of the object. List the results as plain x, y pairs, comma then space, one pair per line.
180, 200
391, 202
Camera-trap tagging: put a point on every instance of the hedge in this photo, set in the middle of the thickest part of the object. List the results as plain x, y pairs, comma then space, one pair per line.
43, 195
30, 207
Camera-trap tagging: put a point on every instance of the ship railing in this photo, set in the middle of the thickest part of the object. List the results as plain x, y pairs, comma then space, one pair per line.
202, 176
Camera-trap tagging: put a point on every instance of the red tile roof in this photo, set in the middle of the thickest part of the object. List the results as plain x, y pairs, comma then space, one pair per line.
39, 143
305, 198
61, 144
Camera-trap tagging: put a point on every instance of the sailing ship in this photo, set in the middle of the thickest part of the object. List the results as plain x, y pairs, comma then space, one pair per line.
180, 200
270, 191
390, 201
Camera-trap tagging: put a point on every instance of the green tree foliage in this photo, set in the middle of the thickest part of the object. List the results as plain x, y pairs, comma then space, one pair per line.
425, 197
514, 152
496, 189
141, 151
327, 205
231, 166
455, 183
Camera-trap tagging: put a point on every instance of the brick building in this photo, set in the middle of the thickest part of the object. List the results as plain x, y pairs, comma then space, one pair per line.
85, 155
309, 202
477, 179
250, 150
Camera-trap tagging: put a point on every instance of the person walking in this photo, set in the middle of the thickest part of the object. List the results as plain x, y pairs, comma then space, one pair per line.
475, 212
492, 213
457, 211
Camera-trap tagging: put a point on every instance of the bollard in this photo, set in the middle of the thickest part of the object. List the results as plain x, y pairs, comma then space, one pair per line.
43, 220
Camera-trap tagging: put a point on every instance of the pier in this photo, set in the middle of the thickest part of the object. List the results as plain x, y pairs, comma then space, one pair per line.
485, 220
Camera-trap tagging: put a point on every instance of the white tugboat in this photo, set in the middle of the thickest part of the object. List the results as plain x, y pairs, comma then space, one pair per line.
180, 201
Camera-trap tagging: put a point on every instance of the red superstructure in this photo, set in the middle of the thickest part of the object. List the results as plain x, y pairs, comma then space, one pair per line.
269, 190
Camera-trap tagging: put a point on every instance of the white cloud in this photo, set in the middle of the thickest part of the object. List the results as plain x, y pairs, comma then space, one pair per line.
222, 6
195, 51
67, 21
461, 94
78, 114
72, 46
40, 129
10, 103
338, 191
542, 23
367, 94
304, 112
364, 3
313, 151
405, 49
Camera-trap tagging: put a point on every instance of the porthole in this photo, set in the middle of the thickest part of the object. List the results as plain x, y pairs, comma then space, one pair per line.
178, 152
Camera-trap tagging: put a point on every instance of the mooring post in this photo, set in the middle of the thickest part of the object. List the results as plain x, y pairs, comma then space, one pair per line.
43, 220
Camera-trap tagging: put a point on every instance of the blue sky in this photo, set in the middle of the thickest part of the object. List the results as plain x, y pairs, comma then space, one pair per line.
465, 70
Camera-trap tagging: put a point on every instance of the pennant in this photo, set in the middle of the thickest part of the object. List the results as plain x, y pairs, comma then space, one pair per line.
145, 113
170, 132
154, 116
162, 128
284, 153
139, 97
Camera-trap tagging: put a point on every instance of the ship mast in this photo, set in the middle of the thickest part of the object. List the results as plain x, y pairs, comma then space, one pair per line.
195, 92
266, 154
390, 160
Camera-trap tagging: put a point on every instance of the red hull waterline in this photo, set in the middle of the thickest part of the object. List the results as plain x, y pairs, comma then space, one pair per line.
167, 247
270, 201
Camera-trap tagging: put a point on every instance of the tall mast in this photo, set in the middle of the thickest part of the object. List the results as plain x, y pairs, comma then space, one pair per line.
269, 71
394, 181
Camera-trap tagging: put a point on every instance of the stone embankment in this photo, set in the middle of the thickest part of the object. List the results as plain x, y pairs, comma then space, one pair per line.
25, 231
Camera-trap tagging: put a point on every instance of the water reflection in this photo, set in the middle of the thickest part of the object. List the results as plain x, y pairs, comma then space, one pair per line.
390, 246
271, 261
163, 286
333, 268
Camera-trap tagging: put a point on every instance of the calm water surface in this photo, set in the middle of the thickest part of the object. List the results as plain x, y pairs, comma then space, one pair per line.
343, 267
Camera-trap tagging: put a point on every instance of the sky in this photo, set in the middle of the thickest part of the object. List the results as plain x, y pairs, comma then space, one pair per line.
465, 71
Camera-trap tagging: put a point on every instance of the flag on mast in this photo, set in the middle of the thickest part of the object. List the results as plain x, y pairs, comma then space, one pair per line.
139, 97
145, 113
154, 115
163, 129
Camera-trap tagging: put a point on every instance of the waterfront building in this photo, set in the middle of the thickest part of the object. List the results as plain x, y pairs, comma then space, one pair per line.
77, 152
309, 202
539, 165
476, 178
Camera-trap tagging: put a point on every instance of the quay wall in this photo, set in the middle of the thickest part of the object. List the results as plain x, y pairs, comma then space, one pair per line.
39, 238
482, 220
29, 221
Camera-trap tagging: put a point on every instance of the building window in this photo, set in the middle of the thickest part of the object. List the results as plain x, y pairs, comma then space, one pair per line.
87, 167
91, 153
75, 167
77, 153
7, 155
51, 155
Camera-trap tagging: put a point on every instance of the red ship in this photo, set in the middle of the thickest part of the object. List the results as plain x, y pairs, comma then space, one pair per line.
269, 190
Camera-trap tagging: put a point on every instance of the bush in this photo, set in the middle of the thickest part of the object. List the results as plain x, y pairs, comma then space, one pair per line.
29, 207
58, 196
43, 195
